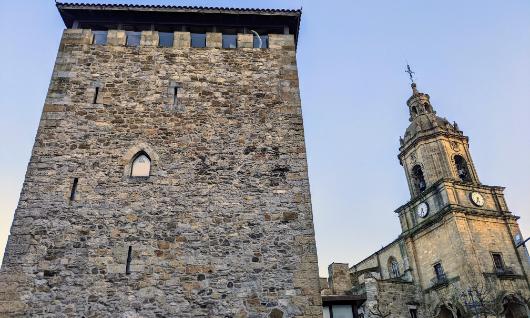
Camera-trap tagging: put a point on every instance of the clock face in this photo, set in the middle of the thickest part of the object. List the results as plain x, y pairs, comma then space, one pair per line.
477, 199
518, 238
422, 210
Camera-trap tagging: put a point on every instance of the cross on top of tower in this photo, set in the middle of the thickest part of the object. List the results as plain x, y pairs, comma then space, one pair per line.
410, 72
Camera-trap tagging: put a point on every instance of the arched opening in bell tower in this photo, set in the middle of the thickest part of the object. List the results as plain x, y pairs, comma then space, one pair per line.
461, 169
418, 178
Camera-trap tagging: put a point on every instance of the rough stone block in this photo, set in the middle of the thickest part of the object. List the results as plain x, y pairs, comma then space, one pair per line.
214, 40
77, 36
281, 41
245, 41
116, 38
149, 38
182, 40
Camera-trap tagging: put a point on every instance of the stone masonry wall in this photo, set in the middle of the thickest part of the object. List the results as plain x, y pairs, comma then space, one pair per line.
386, 298
222, 227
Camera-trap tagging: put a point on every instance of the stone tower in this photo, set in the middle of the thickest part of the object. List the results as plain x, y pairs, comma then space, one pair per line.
460, 252
459, 233
168, 176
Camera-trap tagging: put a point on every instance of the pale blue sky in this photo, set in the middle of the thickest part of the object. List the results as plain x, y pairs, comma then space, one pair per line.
472, 57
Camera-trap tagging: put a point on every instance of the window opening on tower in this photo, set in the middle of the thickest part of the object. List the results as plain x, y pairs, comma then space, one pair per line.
198, 40
418, 178
165, 39
100, 37
141, 165
129, 259
133, 38
461, 169
96, 93
73, 192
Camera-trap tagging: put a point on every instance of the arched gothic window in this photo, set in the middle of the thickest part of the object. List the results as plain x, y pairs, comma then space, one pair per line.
427, 107
418, 179
461, 168
414, 110
393, 268
141, 165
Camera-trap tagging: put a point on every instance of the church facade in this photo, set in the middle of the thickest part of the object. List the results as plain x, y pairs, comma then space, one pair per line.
460, 253
168, 176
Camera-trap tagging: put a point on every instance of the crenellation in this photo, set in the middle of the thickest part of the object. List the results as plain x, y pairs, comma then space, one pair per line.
214, 40
181, 40
116, 38
245, 41
76, 36
281, 41
149, 38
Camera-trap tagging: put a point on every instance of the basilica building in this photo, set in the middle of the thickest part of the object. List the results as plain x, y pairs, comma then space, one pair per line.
460, 252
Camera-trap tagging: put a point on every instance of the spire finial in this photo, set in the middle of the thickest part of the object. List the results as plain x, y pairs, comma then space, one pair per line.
411, 73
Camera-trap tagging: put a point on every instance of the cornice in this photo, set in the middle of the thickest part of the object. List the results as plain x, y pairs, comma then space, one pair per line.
451, 181
448, 209
415, 140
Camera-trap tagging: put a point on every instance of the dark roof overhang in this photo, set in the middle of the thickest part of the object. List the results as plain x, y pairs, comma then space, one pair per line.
180, 15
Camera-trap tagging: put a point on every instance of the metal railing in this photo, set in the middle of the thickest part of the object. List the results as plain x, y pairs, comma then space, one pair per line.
501, 271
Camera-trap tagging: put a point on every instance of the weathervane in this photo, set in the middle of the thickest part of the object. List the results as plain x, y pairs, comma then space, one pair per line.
410, 72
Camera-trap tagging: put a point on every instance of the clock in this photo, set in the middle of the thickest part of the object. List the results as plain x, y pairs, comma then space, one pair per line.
477, 199
518, 238
422, 210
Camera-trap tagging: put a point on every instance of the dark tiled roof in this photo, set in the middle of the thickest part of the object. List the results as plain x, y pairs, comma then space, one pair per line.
72, 5
136, 14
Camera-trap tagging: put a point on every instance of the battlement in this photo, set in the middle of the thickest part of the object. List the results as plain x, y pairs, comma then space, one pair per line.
177, 39
179, 26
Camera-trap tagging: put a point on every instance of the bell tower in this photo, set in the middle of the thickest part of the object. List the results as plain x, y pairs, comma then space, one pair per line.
432, 148
456, 231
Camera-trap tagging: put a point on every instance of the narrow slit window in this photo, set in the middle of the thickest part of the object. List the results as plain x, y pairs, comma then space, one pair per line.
175, 96
129, 259
96, 93
74, 189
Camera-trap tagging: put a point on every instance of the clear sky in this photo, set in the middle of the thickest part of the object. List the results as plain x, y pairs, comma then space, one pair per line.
472, 57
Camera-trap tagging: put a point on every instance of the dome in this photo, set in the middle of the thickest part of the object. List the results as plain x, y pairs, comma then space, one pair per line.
428, 123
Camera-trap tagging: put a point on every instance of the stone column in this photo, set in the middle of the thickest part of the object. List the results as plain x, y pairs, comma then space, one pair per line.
339, 276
